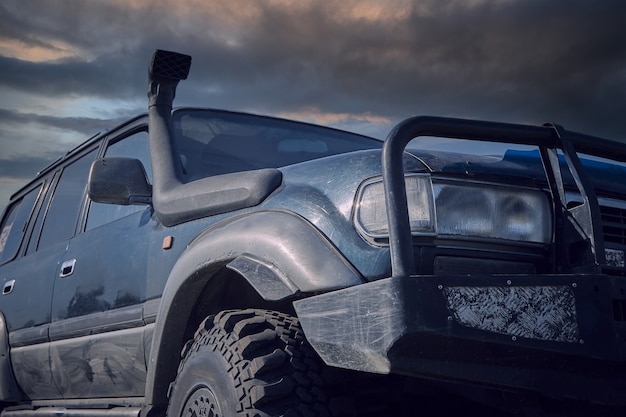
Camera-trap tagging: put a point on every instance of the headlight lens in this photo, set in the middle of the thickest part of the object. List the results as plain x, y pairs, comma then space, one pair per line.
371, 214
496, 212
454, 209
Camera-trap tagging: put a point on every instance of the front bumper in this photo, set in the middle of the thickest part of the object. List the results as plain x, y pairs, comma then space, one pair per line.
561, 335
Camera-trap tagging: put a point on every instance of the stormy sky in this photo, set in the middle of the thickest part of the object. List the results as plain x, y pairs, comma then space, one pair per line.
71, 68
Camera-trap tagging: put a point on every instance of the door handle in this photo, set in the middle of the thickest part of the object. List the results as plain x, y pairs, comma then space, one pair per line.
67, 268
8, 287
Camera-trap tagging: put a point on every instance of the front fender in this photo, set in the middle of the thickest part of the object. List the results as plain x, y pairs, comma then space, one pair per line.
291, 254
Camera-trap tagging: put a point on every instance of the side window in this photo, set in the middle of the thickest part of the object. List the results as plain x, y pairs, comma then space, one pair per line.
14, 225
134, 146
32, 243
64, 209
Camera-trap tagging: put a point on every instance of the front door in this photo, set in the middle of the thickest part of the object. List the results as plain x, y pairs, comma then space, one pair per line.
98, 334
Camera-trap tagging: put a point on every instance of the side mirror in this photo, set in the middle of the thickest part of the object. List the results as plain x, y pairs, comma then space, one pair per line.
119, 181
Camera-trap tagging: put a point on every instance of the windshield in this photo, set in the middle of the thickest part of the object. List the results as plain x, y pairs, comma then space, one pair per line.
212, 142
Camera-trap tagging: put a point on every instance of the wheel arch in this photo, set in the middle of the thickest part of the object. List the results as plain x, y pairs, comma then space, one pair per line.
279, 256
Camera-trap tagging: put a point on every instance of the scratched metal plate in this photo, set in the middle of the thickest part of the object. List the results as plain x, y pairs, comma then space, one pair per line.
614, 258
534, 312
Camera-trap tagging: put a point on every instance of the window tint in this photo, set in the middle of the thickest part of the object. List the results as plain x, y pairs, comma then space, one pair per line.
60, 222
14, 225
218, 142
135, 146
32, 243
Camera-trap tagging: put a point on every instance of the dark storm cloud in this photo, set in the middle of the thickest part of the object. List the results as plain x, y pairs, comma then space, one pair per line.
529, 61
68, 77
522, 61
83, 125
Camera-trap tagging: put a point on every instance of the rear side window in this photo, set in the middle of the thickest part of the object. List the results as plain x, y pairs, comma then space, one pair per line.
64, 209
14, 225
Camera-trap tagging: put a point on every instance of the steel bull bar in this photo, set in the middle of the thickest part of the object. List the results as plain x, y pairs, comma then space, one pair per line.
554, 334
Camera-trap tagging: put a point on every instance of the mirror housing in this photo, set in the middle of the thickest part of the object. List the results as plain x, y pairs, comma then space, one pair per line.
119, 181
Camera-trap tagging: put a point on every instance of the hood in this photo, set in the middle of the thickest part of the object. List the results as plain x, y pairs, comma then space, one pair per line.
523, 166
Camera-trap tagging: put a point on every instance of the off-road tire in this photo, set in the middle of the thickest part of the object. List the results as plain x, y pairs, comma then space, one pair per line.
252, 363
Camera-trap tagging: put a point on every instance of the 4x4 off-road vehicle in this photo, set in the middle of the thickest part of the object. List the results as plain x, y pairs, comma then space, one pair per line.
198, 262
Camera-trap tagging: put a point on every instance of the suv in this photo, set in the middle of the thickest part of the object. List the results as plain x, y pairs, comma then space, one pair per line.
199, 262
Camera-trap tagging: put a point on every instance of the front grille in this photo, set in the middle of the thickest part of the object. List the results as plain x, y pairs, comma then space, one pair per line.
452, 265
614, 225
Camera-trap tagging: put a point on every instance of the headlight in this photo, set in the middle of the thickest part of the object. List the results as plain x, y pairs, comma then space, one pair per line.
490, 211
371, 213
465, 210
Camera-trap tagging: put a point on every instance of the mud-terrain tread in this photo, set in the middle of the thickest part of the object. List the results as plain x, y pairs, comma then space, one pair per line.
274, 370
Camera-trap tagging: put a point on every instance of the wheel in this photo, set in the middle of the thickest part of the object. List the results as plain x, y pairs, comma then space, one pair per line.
252, 363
